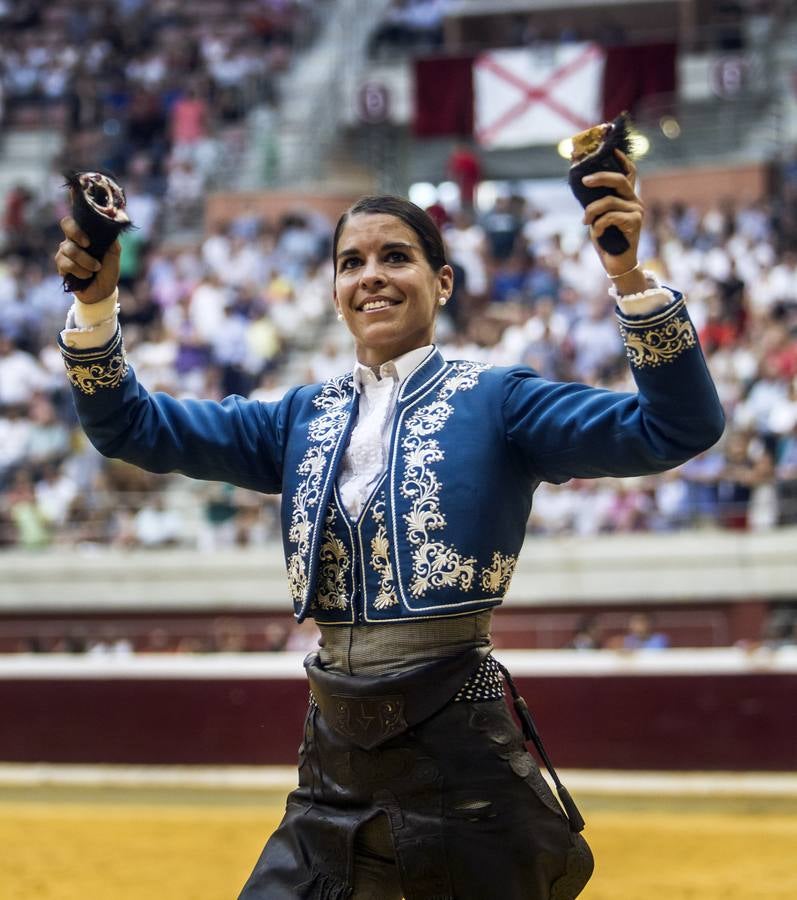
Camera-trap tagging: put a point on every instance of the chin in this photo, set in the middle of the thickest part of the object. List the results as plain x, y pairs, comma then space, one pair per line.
377, 335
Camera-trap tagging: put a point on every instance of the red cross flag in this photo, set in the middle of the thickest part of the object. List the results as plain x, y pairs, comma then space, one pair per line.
537, 96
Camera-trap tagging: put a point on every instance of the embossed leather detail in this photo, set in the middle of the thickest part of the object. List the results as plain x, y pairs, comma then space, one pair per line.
368, 721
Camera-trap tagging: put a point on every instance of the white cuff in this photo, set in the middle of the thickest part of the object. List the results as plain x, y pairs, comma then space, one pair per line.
654, 298
91, 324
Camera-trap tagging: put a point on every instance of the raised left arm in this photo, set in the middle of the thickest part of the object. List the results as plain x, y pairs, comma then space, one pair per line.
566, 430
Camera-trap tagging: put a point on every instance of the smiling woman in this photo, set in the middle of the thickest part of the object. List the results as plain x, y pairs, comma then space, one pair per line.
391, 278
407, 484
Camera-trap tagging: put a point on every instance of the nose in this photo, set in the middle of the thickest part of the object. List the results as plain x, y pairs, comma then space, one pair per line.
372, 274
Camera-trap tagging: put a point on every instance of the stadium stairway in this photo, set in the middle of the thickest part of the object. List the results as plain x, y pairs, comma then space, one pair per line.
297, 145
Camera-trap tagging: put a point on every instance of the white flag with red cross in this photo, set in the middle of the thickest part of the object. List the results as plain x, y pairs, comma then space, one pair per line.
537, 96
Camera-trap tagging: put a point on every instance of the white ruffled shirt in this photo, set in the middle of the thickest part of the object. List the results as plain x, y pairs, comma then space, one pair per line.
365, 458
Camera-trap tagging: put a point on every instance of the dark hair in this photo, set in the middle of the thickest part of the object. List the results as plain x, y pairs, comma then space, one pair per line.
410, 214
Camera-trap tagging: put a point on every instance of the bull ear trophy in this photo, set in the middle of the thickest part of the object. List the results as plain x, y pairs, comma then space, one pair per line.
593, 151
98, 207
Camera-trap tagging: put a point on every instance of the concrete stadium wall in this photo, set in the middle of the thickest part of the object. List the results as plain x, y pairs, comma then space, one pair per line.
683, 568
701, 589
705, 186
224, 206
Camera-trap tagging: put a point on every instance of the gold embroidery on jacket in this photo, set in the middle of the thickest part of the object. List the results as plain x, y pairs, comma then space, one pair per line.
660, 344
499, 573
435, 564
380, 558
323, 433
106, 374
334, 563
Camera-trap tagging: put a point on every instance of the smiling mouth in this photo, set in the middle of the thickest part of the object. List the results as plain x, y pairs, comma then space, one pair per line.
377, 303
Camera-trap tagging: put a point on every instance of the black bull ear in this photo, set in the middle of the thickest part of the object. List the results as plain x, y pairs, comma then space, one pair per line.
98, 205
617, 136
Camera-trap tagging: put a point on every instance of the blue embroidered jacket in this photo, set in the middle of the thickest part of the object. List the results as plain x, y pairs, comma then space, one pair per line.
441, 532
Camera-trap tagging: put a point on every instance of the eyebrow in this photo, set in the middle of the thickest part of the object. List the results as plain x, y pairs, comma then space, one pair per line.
391, 245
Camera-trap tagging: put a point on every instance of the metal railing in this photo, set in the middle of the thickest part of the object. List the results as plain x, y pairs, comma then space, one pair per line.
200, 519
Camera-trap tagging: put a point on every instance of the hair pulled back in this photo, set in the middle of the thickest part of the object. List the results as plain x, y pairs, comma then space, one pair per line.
411, 215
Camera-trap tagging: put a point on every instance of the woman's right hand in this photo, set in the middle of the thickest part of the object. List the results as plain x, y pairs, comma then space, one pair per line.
72, 259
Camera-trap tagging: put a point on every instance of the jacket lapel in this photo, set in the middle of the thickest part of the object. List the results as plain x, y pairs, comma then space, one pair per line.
421, 377
327, 435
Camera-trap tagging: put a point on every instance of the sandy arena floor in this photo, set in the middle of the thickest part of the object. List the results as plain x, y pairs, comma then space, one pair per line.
95, 844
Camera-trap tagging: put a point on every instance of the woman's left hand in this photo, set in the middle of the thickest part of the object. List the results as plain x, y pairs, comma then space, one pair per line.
625, 211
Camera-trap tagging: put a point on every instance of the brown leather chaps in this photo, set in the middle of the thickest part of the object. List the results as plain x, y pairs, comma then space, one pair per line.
470, 815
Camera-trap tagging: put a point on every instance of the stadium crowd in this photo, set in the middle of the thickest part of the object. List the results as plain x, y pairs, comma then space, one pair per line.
149, 90
153, 90
247, 310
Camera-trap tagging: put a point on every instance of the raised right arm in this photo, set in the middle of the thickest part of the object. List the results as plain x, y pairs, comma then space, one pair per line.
237, 441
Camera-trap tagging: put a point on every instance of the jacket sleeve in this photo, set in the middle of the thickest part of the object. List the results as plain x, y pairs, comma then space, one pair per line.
236, 441
564, 431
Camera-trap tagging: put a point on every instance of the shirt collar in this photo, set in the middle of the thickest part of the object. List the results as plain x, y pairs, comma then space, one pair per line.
396, 369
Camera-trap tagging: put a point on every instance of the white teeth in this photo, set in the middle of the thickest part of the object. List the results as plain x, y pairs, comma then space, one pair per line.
375, 304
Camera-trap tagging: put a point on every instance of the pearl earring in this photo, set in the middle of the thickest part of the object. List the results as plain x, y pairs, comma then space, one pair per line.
442, 301
340, 317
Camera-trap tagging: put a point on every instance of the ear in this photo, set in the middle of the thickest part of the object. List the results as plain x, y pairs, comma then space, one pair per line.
445, 280
335, 300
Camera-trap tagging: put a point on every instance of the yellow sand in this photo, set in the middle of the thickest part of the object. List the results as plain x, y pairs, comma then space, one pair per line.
203, 848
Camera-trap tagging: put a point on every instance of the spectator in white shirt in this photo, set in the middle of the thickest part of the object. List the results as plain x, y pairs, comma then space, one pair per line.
21, 374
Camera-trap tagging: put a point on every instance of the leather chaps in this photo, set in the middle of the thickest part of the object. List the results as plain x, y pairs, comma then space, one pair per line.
470, 815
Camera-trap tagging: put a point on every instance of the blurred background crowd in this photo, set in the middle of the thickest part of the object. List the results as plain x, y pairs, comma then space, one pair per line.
247, 309
158, 92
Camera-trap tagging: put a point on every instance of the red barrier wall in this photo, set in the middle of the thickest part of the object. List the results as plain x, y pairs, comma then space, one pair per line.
720, 720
